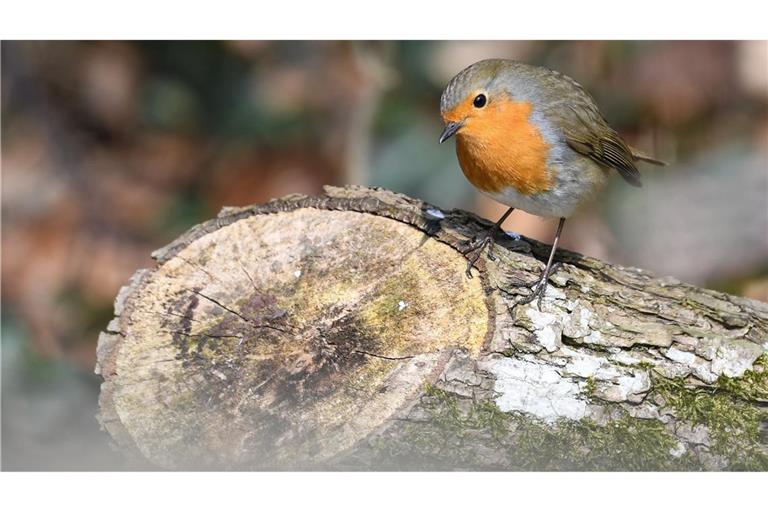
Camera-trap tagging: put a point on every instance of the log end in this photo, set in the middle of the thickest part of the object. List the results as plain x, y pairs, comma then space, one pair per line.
281, 340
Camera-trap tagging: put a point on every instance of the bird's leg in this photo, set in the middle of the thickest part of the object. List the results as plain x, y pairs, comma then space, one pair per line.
541, 285
478, 245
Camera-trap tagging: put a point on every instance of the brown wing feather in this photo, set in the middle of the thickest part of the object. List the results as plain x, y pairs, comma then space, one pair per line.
595, 139
586, 130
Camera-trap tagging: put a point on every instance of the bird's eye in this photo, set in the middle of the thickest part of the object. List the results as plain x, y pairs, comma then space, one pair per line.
479, 101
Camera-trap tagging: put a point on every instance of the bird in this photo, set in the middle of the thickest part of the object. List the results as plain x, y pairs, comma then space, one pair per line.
533, 139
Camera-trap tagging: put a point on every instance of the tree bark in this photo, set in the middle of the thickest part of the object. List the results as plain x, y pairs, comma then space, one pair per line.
341, 332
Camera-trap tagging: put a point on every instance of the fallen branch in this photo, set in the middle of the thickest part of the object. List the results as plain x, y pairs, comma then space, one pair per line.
340, 331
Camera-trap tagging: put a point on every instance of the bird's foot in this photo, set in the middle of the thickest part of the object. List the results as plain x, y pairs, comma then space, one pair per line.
539, 287
476, 248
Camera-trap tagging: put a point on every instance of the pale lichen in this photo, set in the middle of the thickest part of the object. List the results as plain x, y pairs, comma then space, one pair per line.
680, 356
534, 388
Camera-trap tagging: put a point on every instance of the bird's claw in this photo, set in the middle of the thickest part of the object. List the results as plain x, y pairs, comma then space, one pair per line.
540, 287
476, 247
538, 294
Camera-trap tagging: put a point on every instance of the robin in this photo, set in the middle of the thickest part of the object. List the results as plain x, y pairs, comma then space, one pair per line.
531, 138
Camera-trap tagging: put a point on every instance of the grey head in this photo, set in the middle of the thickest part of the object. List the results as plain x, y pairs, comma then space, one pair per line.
491, 77
549, 91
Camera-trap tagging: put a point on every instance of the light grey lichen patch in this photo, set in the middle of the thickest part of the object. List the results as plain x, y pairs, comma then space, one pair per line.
630, 387
733, 357
670, 369
546, 327
585, 365
626, 358
681, 356
595, 338
701, 370
608, 380
576, 324
710, 358
554, 293
705, 347
679, 450
535, 388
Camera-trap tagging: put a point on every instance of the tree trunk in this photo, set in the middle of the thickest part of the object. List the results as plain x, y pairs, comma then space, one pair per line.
341, 332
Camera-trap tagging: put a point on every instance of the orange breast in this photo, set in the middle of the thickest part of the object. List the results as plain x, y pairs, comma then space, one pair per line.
499, 147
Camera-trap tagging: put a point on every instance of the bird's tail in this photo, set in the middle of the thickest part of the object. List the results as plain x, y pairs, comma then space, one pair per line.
639, 155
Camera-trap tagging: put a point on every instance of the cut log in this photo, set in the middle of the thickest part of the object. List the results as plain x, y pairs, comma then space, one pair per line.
341, 332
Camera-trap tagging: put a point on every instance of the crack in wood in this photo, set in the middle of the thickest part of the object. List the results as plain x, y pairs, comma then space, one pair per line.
391, 358
239, 315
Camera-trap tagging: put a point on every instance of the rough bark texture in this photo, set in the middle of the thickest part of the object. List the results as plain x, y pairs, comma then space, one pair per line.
340, 331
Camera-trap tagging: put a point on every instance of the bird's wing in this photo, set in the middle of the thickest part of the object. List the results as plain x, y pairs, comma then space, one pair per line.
585, 129
591, 136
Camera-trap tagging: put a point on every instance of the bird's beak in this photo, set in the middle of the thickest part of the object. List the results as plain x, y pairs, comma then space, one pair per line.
449, 130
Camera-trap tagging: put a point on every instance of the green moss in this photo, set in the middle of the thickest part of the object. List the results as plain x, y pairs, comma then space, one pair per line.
461, 433
732, 421
645, 365
624, 444
751, 386
591, 386
447, 414
453, 437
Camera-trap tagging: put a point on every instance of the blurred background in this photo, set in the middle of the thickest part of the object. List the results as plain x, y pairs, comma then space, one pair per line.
112, 149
